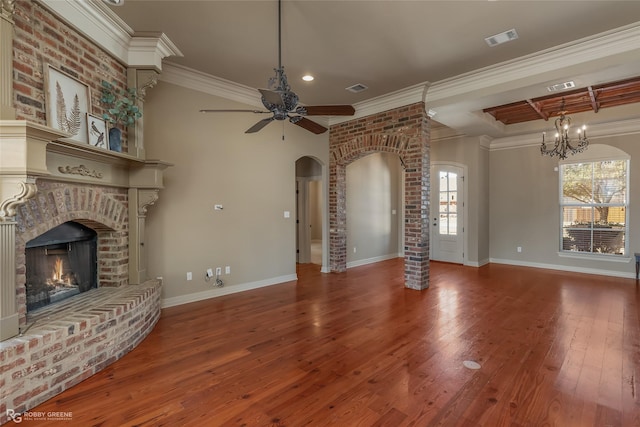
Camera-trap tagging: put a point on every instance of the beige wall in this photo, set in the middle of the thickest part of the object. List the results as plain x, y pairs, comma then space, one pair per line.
252, 176
374, 189
512, 198
525, 211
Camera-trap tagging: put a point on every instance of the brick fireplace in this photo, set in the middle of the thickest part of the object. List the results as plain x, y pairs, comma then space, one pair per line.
46, 182
99, 208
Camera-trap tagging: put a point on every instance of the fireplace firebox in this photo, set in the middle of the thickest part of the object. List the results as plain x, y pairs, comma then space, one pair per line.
60, 263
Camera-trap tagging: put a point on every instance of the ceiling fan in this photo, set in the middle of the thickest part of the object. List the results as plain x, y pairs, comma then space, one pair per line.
282, 102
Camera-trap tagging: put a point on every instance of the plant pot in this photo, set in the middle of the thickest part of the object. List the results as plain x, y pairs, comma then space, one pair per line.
115, 139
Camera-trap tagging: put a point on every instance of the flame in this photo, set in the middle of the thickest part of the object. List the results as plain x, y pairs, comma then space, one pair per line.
57, 269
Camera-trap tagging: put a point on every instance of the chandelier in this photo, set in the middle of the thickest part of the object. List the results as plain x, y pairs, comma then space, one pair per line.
562, 144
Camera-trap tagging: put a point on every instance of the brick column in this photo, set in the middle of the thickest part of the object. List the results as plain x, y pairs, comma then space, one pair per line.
403, 131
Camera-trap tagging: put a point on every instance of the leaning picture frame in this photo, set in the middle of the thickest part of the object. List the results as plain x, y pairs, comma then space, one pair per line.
67, 101
97, 131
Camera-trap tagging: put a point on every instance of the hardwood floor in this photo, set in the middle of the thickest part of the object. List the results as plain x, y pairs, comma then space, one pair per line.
358, 349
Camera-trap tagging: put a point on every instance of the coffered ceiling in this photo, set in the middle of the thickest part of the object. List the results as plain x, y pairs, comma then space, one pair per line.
591, 98
388, 45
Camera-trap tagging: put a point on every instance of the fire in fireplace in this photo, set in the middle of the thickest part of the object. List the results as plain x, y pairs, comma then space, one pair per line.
60, 263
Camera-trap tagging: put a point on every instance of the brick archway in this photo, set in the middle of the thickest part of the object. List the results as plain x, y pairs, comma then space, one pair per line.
403, 131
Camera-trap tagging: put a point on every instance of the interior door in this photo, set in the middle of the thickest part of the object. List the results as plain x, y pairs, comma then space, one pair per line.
447, 208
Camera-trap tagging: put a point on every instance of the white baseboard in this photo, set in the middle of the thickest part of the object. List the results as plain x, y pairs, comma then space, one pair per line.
597, 271
477, 263
218, 292
371, 260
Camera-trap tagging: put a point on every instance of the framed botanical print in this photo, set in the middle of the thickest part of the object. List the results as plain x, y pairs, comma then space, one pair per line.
67, 101
97, 131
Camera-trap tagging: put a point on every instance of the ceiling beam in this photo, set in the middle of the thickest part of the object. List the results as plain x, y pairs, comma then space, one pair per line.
592, 97
537, 109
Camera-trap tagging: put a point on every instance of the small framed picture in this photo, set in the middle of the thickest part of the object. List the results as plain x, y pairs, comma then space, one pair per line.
67, 100
97, 131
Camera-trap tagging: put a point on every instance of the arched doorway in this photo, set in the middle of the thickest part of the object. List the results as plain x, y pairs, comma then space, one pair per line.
403, 131
309, 211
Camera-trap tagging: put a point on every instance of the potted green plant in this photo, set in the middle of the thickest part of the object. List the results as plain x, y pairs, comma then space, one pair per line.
121, 109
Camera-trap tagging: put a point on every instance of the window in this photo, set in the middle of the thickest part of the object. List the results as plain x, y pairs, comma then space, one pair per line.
593, 206
448, 203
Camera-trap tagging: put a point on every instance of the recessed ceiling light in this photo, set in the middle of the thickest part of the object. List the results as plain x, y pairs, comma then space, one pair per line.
307, 78
503, 37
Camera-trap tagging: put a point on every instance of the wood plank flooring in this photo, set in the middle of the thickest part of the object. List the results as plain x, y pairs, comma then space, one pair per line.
358, 349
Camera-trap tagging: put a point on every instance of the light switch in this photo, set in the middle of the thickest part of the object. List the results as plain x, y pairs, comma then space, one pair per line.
287, 214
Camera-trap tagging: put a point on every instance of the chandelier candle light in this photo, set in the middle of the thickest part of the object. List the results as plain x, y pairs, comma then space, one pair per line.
562, 143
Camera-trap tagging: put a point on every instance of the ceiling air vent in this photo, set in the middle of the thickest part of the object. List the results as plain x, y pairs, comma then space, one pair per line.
359, 87
504, 37
561, 86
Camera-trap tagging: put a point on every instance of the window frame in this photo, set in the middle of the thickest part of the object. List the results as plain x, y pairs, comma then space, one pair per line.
605, 153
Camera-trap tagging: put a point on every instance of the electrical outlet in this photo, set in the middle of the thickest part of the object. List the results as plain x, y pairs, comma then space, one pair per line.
227, 270
519, 248
354, 249
218, 271
209, 272
189, 276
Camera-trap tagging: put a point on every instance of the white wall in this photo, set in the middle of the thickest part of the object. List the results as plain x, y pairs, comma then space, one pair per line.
215, 162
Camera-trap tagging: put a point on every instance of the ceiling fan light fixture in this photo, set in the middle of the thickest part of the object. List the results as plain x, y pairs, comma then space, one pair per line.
282, 103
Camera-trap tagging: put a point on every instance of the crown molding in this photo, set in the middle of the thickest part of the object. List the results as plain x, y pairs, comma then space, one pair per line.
596, 131
98, 22
101, 25
399, 98
150, 49
206, 83
618, 41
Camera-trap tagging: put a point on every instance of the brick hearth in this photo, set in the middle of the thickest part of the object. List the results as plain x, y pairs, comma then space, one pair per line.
72, 340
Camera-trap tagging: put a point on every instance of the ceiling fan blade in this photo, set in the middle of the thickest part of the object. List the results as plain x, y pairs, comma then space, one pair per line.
310, 125
329, 110
234, 111
272, 97
262, 123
